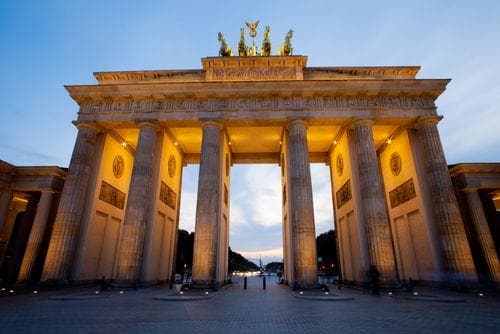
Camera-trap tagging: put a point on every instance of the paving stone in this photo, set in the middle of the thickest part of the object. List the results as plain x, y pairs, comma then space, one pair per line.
236, 310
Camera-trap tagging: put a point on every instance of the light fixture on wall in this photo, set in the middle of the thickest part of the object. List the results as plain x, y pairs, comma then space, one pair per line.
335, 142
176, 143
389, 141
124, 144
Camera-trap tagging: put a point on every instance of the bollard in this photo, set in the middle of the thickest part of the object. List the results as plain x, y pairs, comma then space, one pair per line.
264, 282
245, 283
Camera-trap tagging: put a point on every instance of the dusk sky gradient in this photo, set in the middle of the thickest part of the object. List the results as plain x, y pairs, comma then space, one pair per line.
48, 44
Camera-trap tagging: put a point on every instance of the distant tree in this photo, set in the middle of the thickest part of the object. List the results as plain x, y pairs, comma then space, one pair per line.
184, 256
327, 251
238, 263
274, 267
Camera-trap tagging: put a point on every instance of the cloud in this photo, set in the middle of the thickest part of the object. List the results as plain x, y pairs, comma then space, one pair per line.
322, 197
256, 194
276, 252
187, 216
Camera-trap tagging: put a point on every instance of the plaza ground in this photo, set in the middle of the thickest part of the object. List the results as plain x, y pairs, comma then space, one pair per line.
235, 310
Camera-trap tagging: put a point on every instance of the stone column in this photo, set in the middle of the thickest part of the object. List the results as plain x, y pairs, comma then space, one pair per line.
373, 209
478, 219
208, 206
141, 197
457, 256
301, 206
5, 200
33, 247
67, 223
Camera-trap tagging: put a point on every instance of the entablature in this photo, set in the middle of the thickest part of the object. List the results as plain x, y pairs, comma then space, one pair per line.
237, 96
476, 175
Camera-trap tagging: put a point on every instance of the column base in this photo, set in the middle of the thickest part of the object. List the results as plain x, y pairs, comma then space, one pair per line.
56, 283
309, 286
204, 285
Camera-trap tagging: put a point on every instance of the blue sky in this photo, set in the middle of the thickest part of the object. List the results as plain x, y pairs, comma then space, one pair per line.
48, 44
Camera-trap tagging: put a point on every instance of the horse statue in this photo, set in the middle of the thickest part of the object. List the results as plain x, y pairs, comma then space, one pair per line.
242, 45
266, 43
225, 50
286, 48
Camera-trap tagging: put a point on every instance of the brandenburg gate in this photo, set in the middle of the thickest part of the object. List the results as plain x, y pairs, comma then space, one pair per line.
375, 127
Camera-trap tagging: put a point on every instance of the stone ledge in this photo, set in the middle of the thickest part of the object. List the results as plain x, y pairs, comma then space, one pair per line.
86, 296
181, 298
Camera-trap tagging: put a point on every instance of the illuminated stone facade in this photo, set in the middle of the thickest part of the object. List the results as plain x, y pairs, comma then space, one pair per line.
375, 127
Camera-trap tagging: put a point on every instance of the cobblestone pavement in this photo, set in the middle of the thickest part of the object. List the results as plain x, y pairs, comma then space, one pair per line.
236, 310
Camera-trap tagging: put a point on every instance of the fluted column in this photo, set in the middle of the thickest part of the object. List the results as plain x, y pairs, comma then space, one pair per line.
373, 202
478, 219
457, 256
208, 206
67, 223
5, 199
301, 205
141, 198
32, 252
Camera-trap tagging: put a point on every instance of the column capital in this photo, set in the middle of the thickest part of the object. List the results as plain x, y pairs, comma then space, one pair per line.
147, 124
432, 120
360, 121
212, 123
297, 122
91, 126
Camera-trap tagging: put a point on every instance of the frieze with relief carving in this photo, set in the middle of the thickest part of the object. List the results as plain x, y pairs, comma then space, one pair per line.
112, 195
402, 193
344, 194
258, 103
168, 196
253, 73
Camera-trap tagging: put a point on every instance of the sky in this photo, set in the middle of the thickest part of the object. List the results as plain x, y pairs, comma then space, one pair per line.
48, 44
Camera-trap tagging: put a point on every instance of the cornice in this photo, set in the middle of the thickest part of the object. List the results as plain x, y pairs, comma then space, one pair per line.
391, 87
474, 168
39, 171
361, 72
256, 64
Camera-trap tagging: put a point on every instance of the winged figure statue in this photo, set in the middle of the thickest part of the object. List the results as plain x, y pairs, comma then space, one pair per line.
253, 28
